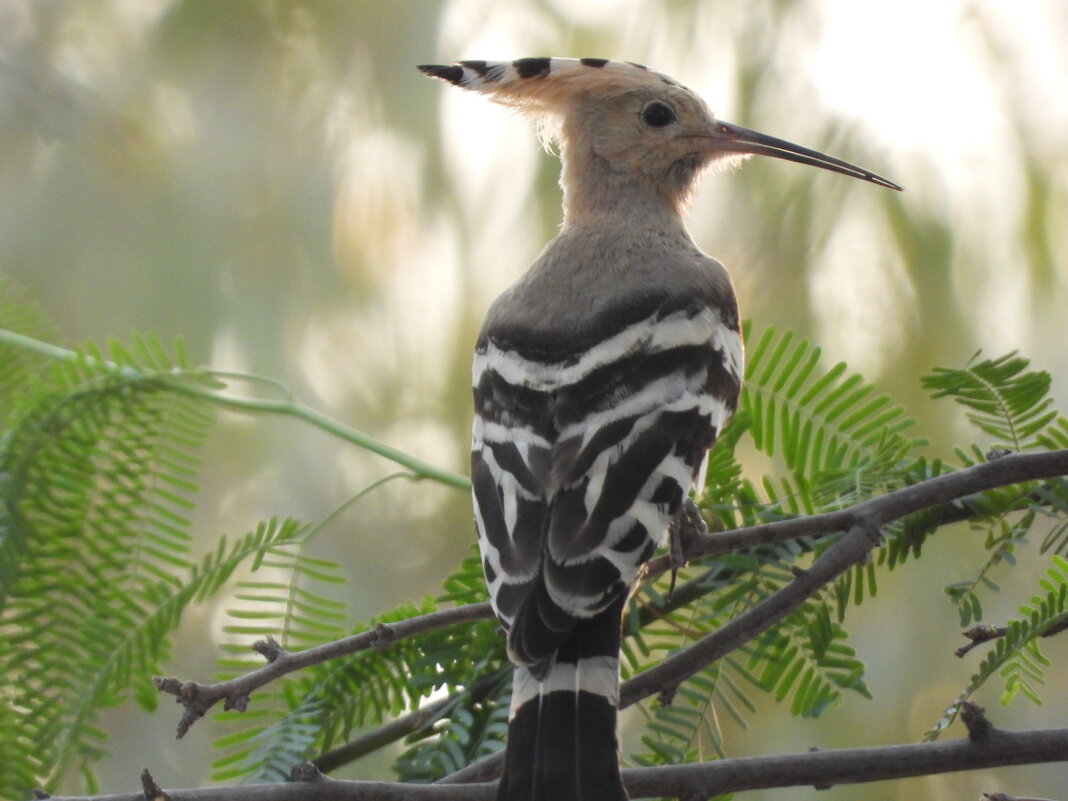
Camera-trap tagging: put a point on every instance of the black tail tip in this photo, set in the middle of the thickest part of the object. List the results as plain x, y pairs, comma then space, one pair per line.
446, 72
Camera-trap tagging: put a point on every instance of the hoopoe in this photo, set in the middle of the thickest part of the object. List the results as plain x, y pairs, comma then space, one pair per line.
601, 379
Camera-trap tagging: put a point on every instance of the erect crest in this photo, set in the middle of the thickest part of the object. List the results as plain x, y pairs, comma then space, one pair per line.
544, 85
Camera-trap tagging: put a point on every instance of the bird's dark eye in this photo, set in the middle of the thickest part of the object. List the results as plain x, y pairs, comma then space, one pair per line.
658, 114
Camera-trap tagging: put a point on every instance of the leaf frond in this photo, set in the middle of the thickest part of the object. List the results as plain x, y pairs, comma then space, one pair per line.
1016, 657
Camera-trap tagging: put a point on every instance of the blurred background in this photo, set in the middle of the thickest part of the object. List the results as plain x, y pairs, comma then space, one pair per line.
275, 184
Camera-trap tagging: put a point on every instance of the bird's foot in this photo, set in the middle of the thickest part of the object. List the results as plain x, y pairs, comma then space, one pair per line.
685, 531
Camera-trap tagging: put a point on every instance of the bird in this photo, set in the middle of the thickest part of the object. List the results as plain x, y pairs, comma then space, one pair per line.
600, 380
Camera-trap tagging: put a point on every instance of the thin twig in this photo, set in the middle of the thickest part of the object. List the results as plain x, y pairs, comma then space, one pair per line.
288, 406
403, 726
199, 698
980, 634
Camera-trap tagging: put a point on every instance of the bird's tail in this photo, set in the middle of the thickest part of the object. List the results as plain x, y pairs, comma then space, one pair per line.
562, 742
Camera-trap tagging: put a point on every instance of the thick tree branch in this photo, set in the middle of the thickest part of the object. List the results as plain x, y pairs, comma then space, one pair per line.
939, 491
851, 550
848, 766
695, 781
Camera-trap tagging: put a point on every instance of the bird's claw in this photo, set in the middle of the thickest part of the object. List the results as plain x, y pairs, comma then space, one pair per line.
686, 528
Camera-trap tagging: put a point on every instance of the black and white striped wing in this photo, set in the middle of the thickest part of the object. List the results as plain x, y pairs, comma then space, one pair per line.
580, 461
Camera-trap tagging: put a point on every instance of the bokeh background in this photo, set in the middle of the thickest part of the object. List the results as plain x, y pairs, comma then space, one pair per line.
273, 182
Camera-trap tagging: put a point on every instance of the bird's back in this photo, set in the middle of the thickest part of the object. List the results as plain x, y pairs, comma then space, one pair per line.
592, 281
637, 344
595, 404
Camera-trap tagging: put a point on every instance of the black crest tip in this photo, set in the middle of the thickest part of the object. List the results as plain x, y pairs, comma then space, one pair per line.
446, 72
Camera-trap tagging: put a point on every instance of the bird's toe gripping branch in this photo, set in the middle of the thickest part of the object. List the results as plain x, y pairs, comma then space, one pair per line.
684, 535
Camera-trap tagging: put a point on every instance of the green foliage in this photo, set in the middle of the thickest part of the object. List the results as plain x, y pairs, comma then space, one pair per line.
807, 659
803, 660
838, 438
310, 713
684, 727
1004, 535
472, 724
1003, 398
19, 369
838, 443
1010, 404
97, 471
1016, 656
290, 611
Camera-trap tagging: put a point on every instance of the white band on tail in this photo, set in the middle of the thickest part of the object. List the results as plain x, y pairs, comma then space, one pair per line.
595, 674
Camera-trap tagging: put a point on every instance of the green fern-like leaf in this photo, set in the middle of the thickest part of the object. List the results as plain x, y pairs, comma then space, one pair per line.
810, 665
96, 485
1016, 656
473, 724
1011, 404
819, 421
1003, 398
685, 728
806, 659
289, 608
1003, 537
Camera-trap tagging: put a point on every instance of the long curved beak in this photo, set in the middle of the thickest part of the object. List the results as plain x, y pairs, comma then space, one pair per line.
728, 138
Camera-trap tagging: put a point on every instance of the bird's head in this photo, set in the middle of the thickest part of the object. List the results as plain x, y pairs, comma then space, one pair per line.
625, 130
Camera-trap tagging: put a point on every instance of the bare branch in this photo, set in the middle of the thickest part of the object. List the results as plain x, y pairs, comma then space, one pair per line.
1003, 471
199, 698
848, 766
695, 781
